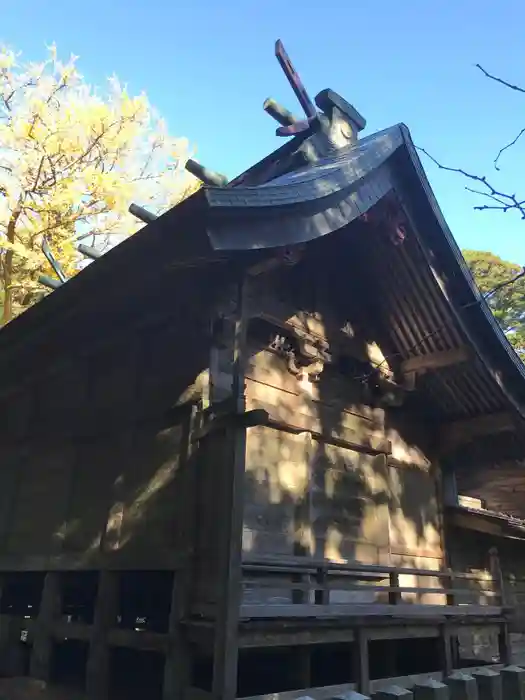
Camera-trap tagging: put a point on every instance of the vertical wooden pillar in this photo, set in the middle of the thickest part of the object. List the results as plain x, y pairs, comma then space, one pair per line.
225, 652
177, 668
50, 606
361, 662
106, 610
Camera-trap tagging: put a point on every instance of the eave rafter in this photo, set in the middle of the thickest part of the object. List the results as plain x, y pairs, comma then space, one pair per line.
452, 435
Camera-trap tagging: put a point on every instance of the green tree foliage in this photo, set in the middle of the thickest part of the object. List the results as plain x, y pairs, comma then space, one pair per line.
508, 303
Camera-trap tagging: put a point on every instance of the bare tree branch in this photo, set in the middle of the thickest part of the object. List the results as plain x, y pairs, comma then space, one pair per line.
509, 145
517, 88
511, 86
504, 201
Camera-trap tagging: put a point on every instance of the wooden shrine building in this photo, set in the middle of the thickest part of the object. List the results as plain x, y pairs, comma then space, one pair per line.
225, 445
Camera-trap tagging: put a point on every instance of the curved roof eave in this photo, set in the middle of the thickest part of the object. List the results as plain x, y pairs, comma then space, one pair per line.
308, 203
478, 323
323, 198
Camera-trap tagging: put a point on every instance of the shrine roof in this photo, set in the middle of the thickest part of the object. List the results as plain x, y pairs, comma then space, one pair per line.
424, 285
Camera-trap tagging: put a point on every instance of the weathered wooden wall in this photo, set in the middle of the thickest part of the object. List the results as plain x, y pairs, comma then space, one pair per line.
93, 447
332, 476
71, 490
305, 495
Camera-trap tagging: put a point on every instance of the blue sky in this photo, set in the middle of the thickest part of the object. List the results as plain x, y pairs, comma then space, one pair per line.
208, 66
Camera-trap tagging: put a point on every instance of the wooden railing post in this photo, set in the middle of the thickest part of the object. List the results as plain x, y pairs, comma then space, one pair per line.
511, 588
451, 585
322, 593
394, 597
496, 574
299, 594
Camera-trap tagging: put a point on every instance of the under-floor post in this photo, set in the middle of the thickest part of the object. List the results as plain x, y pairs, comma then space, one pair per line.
361, 662
106, 610
302, 667
50, 606
177, 667
445, 649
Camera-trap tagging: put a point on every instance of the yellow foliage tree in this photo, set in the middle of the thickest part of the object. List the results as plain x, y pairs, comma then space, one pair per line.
71, 162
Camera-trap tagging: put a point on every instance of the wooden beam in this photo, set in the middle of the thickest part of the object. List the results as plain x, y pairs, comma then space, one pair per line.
247, 419
347, 437
437, 360
462, 431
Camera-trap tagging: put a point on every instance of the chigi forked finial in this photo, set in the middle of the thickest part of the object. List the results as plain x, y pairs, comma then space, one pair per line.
337, 120
297, 126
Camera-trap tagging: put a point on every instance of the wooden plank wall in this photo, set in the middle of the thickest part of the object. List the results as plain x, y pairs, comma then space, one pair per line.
415, 523
307, 496
90, 466
384, 509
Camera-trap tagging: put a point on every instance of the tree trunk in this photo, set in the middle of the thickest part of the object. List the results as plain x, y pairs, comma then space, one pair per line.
7, 313
7, 266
